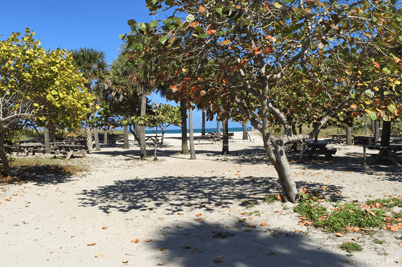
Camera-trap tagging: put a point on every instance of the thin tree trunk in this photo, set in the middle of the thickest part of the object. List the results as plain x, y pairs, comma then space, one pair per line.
348, 135
218, 129
225, 147
184, 141
88, 136
192, 150
3, 156
203, 123
97, 145
143, 148
126, 145
105, 137
245, 134
46, 138
386, 133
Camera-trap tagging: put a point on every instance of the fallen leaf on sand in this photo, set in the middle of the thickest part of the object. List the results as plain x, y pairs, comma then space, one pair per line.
161, 264
179, 213
125, 261
165, 234
161, 219
338, 234
194, 250
147, 240
400, 243
72, 236
198, 215
104, 227
263, 224
217, 261
99, 256
277, 211
163, 250
199, 219
187, 247
92, 244
135, 241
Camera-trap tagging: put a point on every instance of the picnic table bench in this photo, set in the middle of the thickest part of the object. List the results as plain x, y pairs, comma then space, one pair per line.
31, 148
214, 136
389, 153
69, 149
318, 148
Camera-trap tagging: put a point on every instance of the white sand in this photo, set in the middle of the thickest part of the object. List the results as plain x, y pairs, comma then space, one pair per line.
51, 222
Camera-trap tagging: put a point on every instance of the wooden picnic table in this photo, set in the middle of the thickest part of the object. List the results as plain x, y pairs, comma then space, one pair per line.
389, 153
338, 138
31, 147
69, 149
318, 148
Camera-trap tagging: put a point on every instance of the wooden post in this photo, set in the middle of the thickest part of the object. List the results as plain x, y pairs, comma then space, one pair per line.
225, 147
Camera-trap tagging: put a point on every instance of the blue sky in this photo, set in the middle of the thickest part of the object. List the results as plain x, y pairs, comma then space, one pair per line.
86, 23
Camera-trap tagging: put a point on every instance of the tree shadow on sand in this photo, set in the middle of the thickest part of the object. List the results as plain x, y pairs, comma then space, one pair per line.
203, 244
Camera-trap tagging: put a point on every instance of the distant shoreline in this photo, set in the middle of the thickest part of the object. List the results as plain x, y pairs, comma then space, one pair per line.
199, 130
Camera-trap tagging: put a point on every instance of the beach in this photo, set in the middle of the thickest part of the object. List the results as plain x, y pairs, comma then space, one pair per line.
180, 212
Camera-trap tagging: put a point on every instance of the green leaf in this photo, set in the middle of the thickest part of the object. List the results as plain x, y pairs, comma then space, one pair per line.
373, 116
219, 11
142, 26
277, 5
374, 19
132, 22
153, 24
163, 39
202, 36
190, 18
386, 71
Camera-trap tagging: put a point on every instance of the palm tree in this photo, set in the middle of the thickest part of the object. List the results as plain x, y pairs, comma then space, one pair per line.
93, 66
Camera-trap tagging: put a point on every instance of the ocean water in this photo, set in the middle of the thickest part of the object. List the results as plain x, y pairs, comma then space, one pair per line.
207, 130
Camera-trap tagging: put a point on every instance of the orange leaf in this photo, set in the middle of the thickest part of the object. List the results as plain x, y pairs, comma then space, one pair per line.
135, 241
338, 234
198, 215
212, 31
99, 256
161, 264
104, 227
92, 244
199, 219
147, 240
263, 224
125, 261
201, 9
179, 213
163, 250
161, 219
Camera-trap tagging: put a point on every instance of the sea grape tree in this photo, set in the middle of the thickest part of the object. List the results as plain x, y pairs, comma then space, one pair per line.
243, 51
40, 85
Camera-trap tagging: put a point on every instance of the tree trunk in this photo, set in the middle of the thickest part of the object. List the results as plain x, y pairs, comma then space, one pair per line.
192, 150
300, 128
203, 123
386, 133
97, 145
218, 128
348, 135
126, 144
105, 137
88, 136
3, 156
245, 134
225, 139
46, 138
143, 147
184, 141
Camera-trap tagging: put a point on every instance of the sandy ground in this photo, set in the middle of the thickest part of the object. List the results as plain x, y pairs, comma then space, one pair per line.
183, 212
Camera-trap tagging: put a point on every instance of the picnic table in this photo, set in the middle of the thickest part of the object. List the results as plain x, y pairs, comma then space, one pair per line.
338, 138
153, 138
318, 148
31, 147
69, 149
389, 153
